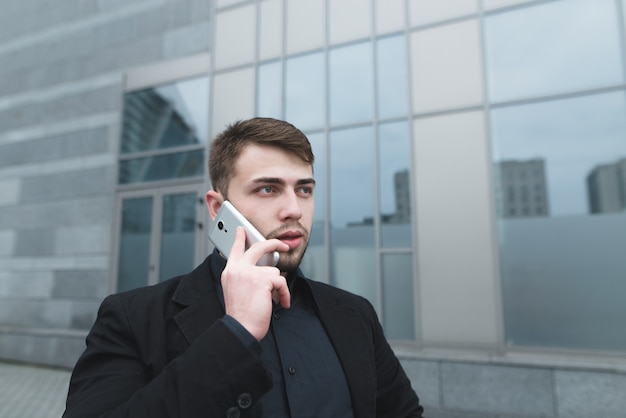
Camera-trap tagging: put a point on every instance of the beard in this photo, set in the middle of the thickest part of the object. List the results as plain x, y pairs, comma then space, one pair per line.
290, 261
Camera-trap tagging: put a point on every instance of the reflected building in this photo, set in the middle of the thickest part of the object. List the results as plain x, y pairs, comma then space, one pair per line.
152, 122
521, 190
403, 198
402, 194
606, 187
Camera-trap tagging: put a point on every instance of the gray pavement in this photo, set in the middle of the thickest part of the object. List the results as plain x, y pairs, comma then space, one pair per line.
32, 391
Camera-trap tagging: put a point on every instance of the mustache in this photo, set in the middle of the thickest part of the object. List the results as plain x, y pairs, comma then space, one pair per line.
293, 226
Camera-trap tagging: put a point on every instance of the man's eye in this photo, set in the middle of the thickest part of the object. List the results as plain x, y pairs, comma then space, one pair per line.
306, 190
266, 189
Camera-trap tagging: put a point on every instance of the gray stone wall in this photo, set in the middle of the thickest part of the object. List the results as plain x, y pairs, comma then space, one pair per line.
455, 389
62, 67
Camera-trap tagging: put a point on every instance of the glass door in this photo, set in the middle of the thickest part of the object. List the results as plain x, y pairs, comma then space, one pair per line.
161, 234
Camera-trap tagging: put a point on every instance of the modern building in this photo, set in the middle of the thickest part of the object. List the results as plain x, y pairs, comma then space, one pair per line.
107, 108
606, 187
521, 190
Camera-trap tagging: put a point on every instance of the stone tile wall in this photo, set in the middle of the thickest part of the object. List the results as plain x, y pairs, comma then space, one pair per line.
62, 67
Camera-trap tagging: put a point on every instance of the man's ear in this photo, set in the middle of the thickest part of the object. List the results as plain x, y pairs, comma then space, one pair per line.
214, 202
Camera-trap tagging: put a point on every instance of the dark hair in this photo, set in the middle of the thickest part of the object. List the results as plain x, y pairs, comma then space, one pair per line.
227, 146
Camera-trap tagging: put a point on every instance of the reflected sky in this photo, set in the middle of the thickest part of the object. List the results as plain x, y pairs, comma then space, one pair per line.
351, 84
393, 78
352, 175
573, 136
305, 105
269, 90
552, 48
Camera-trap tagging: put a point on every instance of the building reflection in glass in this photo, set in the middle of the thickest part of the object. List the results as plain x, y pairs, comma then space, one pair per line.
163, 132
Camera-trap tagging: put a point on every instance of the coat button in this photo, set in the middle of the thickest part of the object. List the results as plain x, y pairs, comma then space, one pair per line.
233, 412
244, 400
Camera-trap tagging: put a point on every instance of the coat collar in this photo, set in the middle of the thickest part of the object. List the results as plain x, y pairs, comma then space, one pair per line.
198, 295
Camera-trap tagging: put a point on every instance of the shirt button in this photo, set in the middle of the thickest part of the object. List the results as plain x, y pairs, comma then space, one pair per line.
233, 413
244, 400
292, 370
276, 315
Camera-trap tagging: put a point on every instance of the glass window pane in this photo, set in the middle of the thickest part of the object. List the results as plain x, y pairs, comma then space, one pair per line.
351, 84
398, 309
162, 167
270, 90
571, 137
314, 264
168, 116
135, 235
178, 235
573, 45
394, 153
352, 211
393, 77
562, 269
305, 91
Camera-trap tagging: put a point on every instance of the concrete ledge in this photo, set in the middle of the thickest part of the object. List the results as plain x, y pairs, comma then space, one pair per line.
466, 384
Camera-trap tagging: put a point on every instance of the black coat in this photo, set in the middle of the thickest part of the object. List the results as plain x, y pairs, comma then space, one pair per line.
161, 351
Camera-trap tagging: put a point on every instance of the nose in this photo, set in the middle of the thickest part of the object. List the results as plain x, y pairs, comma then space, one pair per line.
290, 207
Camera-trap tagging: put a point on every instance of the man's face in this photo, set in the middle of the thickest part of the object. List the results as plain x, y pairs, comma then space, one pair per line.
274, 191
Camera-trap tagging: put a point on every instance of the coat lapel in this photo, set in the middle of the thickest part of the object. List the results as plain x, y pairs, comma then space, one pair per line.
201, 304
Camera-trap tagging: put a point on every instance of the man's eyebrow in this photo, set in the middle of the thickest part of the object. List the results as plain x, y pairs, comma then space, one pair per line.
310, 180
278, 180
268, 180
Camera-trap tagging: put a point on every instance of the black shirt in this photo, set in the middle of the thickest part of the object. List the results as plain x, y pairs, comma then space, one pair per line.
307, 375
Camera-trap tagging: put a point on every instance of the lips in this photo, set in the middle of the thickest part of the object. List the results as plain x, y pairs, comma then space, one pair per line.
291, 238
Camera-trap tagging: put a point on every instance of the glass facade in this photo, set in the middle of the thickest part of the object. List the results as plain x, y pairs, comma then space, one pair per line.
558, 124
353, 102
470, 158
162, 160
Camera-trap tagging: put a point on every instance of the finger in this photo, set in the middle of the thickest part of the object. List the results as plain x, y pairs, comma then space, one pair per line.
281, 292
239, 244
259, 249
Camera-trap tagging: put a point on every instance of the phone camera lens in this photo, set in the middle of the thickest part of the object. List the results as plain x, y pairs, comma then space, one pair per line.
220, 225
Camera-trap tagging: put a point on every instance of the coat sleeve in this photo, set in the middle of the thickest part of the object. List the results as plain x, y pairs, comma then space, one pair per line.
216, 376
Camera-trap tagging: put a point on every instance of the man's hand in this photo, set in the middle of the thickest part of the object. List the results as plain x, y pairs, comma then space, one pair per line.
249, 289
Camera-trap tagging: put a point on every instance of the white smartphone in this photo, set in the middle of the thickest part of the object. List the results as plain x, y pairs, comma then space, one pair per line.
222, 233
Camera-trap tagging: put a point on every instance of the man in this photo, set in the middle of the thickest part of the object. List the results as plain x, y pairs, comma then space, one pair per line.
234, 339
